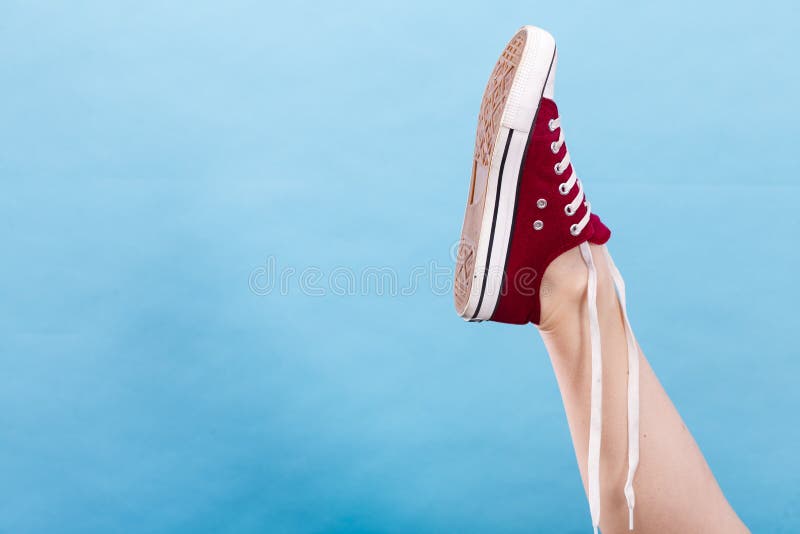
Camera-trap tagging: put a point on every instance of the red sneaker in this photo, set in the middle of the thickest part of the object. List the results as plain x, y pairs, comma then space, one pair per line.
526, 206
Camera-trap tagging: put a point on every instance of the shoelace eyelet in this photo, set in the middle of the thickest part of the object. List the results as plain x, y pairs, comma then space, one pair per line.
573, 230
562, 188
541, 203
558, 169
568, 210
550, 125
553, 148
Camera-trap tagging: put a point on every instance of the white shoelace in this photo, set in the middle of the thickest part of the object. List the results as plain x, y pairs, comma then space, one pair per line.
633, 390
596, 395
565, 187
596, 406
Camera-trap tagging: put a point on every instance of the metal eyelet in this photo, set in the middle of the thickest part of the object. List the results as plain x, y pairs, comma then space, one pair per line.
538, 225
562, 188
573, 230
568, 210
541, 203
550, 125
553, 148
558, 169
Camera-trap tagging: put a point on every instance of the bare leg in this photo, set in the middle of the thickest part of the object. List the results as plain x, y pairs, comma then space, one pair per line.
675, 489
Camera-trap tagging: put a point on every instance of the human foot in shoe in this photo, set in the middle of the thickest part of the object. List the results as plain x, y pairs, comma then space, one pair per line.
526, 205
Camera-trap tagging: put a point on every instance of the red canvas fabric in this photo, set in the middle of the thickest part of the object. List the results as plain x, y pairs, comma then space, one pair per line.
531, 251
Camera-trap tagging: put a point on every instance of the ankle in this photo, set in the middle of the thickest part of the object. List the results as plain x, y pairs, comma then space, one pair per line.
564, 287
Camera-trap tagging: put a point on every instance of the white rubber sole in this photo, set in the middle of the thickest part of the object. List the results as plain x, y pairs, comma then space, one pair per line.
508, 111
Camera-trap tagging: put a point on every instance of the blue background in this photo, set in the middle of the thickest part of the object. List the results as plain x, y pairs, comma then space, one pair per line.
154, 155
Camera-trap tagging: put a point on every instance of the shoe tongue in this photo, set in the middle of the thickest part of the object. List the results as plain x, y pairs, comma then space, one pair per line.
600, 234
549, 86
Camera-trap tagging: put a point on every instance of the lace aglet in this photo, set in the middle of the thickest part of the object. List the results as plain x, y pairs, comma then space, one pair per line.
630, 518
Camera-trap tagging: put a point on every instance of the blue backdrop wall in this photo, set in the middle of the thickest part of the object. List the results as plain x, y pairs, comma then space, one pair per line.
227, 232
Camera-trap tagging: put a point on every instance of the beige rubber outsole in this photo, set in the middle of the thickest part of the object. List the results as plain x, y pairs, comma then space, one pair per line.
489, 117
